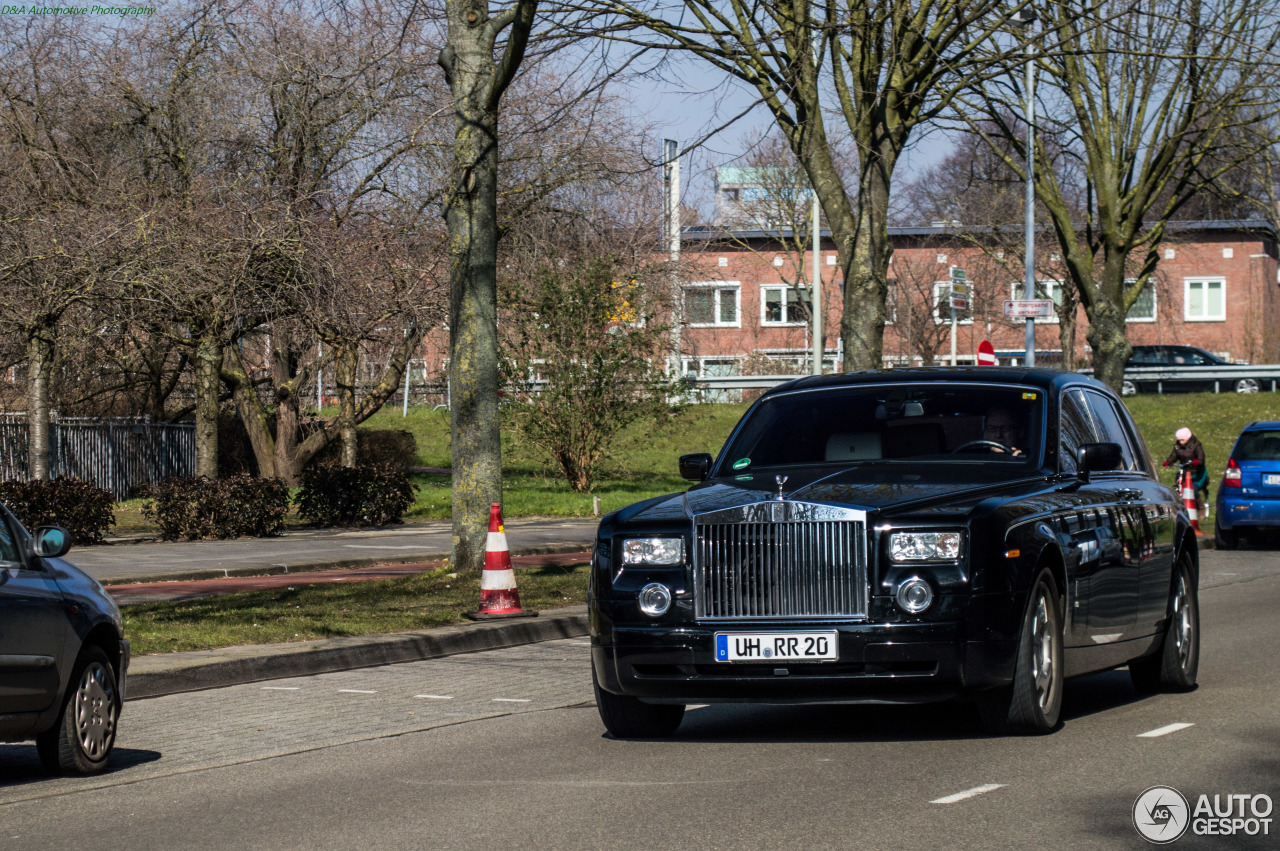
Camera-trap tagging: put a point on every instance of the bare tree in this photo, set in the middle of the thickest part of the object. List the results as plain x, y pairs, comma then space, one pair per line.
890, 67
1157, 106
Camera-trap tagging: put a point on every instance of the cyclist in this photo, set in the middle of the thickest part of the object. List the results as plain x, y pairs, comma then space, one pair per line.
1187, 450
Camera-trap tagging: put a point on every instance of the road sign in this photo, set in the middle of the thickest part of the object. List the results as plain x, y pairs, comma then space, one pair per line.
960, 289
986, 354
959, 302
957, 274
1025, 308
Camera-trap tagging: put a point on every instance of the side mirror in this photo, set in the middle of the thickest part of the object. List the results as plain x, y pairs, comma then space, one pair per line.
51, 541
695, 467
1096, 458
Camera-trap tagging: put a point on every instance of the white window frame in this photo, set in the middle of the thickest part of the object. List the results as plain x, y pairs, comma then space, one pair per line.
941, 317
1186, 298
786, 323
1045, 288
1155, 304
716, 287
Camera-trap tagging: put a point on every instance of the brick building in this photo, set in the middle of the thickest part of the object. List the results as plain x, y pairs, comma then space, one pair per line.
1217, 286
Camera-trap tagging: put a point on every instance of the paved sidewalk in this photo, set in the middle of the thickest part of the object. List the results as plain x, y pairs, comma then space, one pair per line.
312, 549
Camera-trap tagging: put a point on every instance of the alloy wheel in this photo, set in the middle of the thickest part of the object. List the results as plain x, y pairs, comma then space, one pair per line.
95, 707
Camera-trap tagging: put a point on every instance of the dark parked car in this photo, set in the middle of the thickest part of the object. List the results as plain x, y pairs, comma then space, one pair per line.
63, 655
1249, 497
900, 536
1150, 378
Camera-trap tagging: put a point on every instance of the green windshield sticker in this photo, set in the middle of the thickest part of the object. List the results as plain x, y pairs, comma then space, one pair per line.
741, 463
743, 478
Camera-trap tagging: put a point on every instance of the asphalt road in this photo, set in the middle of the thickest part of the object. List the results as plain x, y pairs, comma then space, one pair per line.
504, 749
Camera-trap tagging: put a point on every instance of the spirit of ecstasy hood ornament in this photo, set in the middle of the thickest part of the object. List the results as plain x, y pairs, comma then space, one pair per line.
781, 480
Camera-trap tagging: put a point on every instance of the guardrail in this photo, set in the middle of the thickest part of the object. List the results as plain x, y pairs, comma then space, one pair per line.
1228, 378
1225, 378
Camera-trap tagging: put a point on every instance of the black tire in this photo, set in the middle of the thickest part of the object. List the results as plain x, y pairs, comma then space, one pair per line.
81, 740
629, 718
1175, 665
1224, 539
1032, 704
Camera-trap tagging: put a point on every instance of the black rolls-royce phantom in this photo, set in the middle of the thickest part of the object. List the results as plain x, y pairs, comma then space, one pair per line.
900, 536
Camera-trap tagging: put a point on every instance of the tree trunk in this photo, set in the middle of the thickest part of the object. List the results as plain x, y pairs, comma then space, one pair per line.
40, 345
345, 361
867, 273
471, 212
1110, 348
208, 384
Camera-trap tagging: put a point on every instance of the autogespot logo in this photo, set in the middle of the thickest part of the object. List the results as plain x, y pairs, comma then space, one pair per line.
1160, 814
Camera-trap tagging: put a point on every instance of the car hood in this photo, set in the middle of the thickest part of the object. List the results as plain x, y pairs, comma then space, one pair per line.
901, 489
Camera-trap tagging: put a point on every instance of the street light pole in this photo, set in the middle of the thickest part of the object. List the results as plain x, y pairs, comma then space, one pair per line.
1025, 18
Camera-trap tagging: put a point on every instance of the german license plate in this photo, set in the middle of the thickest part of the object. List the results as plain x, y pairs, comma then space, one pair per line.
1271, 479
777, 647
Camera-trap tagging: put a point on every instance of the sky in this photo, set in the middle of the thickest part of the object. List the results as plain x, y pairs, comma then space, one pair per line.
677, 110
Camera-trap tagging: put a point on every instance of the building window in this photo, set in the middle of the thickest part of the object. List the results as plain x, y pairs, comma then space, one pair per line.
942, 305
1206, 300
1144, 309
730, 194
712, 304
780, 306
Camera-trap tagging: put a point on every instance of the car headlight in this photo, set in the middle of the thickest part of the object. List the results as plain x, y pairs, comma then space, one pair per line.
924, 546
653, 551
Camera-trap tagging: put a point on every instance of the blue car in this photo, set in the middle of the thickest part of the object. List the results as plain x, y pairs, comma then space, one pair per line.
1249, 498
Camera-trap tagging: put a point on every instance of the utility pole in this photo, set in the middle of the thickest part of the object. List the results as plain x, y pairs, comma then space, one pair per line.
671, 199
1025, 18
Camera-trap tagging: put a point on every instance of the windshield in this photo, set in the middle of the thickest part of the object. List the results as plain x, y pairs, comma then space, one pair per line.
951, 423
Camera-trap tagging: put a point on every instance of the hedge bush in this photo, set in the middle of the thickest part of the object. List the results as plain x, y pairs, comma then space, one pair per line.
82, 508
374, 447
371, 495
230, 507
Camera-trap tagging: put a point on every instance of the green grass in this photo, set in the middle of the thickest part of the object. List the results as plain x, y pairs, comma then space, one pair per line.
641, 464
427, 600
1215, 418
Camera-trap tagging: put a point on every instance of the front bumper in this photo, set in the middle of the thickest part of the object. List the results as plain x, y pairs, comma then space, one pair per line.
878, 663
122, 679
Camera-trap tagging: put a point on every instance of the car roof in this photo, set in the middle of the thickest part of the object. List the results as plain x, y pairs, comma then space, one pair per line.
1047, 379
1261, 424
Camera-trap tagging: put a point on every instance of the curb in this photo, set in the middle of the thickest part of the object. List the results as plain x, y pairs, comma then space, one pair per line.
175, 673
325, 564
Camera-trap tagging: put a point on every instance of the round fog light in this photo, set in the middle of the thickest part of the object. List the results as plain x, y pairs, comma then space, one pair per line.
655, 599
914, 595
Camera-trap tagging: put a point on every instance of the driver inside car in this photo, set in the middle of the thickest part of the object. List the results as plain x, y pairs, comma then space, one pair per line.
1004, 427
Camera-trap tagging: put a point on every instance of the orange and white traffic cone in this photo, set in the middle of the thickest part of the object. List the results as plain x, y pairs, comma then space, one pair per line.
499, 597
1191, 502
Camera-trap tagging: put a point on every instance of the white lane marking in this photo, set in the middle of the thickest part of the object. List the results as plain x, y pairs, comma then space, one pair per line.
1164, 731
580, 643
968, 793
511, 699
383, 546
355, 691
435, 696
281, 688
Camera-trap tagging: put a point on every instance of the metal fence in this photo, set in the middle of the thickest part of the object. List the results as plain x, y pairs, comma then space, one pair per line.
117, 456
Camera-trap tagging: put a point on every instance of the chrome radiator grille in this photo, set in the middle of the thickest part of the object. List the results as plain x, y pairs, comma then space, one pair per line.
793, 568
